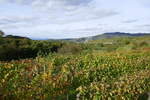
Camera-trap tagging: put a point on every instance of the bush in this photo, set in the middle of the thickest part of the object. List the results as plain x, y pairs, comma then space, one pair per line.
20, 48
143, 43
70, 49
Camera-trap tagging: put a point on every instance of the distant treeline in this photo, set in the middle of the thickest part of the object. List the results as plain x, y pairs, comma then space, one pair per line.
15, 47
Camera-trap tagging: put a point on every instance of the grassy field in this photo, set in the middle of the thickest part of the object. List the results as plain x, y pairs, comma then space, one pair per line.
109, 69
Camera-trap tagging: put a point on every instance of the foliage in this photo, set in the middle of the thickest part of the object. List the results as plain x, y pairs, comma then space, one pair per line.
14, 47
70, 48
1, 33
108, 72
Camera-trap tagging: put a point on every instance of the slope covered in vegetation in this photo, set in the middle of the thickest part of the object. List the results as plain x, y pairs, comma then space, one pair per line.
107, 69
15, 47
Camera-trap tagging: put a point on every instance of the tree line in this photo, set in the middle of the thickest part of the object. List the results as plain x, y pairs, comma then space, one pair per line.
16, 47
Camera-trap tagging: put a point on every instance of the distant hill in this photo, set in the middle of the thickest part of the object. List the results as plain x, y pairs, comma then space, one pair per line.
15, 37
106, 35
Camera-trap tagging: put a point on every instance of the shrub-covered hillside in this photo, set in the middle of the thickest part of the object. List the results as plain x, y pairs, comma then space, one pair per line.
107, 69
15, 47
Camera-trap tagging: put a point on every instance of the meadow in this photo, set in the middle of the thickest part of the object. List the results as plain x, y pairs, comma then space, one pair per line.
107, 69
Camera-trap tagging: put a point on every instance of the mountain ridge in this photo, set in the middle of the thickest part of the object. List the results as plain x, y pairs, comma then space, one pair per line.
104, 35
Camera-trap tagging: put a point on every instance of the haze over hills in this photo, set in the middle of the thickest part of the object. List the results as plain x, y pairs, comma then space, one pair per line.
105, 35
86, 39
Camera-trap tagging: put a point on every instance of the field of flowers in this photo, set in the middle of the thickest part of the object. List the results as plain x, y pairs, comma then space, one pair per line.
86, 76
111, 69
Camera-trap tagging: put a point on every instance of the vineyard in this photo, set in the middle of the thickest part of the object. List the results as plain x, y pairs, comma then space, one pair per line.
120, 74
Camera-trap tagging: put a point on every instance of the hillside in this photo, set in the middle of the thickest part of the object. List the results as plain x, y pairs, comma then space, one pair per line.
105, 69
107, 35
16, 47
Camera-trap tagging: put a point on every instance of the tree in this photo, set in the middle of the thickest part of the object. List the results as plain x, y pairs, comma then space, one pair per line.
1, 33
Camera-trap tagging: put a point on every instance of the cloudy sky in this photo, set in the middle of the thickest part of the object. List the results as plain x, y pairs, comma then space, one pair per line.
41, 19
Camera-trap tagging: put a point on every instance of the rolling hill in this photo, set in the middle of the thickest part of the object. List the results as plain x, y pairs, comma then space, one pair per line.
105, 35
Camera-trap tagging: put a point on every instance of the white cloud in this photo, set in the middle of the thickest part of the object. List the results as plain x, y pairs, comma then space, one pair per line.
16, 19
71, 18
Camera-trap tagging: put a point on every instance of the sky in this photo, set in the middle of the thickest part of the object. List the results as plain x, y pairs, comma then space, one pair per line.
55, 19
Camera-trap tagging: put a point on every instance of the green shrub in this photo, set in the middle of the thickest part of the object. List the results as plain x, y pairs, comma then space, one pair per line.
13, 47
70, 49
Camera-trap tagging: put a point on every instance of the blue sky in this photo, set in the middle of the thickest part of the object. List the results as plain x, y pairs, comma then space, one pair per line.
73, 18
